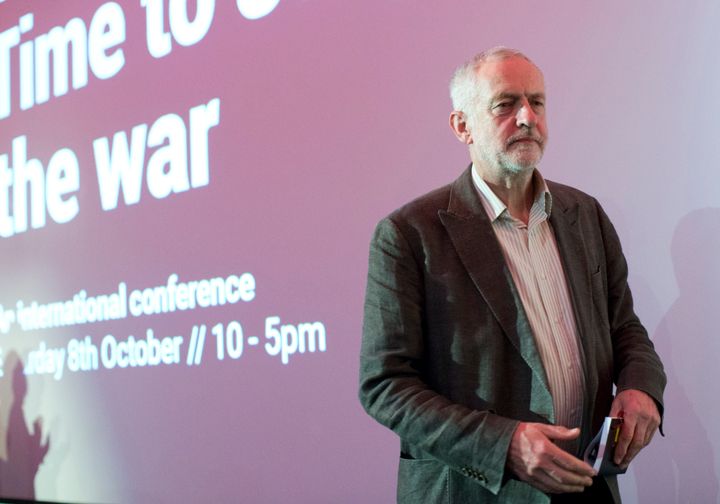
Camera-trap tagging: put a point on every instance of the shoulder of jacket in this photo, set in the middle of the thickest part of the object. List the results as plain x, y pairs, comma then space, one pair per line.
569, 195
424, 207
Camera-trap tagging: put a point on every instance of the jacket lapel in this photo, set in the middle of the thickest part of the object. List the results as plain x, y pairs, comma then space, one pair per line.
471, 233
571, 245
564, 220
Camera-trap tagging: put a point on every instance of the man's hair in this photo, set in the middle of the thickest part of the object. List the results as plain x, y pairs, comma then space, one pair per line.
464, 82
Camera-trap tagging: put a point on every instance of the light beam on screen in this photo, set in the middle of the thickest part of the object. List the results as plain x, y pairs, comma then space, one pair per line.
67, 412
82, 434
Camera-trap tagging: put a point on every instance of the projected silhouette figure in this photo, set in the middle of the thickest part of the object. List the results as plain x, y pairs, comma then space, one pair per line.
25, 450
685, 461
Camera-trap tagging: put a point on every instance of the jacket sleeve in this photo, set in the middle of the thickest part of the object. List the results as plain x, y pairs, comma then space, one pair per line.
472, 442
636, 364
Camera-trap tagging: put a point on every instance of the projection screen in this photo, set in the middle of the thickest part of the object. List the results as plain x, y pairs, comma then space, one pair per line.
187, 193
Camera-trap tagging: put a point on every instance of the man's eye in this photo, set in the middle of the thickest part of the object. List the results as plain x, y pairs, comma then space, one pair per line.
503, 105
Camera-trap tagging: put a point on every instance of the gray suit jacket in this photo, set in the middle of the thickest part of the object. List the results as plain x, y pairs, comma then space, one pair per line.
448, 359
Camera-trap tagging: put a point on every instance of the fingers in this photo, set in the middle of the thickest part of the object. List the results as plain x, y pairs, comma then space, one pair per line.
569, 473
560, 472
558, 432
562, 458
635, 434
637, 443
573, 465
535, 459
641, 420
627, 433
649, 434
552, 482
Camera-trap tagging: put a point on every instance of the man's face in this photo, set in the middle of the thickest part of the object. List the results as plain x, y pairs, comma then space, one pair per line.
507, 125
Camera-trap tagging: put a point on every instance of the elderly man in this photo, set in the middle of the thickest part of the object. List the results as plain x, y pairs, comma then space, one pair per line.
498, 317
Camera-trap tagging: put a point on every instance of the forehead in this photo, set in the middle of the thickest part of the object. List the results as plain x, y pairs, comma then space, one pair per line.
514, 75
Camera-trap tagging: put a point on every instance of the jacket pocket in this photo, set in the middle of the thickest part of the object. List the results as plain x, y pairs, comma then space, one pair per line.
422, 481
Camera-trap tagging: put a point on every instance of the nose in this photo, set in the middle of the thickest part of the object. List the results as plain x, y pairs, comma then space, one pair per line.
526, 115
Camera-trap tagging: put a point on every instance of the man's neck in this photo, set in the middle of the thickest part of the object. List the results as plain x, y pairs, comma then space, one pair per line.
515, 190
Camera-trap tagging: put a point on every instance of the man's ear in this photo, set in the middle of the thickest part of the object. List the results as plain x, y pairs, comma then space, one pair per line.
459, 126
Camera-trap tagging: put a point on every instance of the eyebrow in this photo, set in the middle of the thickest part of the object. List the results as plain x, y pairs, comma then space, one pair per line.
515, 96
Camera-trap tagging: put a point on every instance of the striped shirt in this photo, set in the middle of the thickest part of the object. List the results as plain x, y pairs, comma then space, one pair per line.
532, 256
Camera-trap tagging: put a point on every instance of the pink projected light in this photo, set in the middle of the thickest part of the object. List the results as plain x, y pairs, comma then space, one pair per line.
187, 193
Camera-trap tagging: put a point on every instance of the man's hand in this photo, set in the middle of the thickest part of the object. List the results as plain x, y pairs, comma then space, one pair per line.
641, 419
535, 459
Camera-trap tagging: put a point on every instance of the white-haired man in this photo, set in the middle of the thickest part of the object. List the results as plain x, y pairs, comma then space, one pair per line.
498, 317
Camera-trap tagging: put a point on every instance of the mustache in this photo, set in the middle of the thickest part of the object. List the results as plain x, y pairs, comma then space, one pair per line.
525, 136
